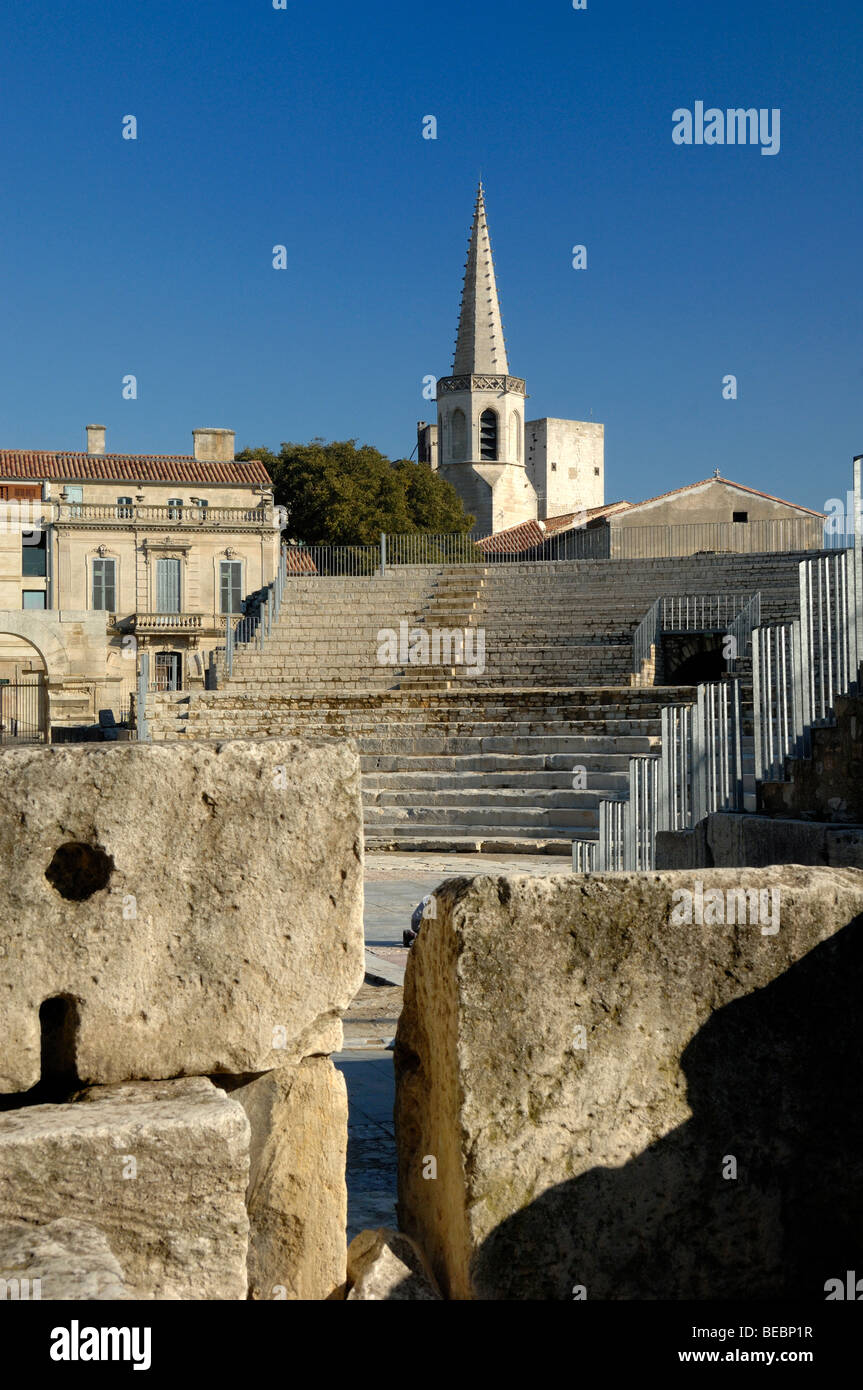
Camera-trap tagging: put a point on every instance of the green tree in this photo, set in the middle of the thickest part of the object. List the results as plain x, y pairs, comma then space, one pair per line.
344, 494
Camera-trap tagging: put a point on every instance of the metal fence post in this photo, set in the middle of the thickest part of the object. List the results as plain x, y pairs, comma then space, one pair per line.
383, 554
141, 722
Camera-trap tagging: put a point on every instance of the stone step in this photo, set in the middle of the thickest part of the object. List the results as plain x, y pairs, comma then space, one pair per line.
521, 819
502, 743
527, 782
463, 799
609, 761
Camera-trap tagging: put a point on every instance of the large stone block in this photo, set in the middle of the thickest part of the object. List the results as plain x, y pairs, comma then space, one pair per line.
198, 906
66, 1260
595, 1095
387, 1266
160, 1168
297, 1198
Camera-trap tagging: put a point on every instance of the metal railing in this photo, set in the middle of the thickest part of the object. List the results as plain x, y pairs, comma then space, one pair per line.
717, 749
777, 681
699, 770
24, 711
646, 638
732, 537
610, 857
584, 853
639, 826
733, 613
142, 725
675, 773
255, 626
529, 542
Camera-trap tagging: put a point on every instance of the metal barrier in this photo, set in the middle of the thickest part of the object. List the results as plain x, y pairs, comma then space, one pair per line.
777, 683
825, 615
142, 725
699, 770
799, 668
641, 809
584, 856
733, 613
717, 749
675, 772
610, 848
530, 542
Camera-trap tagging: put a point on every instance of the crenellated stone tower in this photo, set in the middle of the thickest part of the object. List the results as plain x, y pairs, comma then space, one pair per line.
481, 443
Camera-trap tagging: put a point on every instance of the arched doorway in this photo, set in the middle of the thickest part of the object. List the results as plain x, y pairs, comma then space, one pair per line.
23, 692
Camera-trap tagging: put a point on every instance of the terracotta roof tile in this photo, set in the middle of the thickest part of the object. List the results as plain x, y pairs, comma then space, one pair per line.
37, 465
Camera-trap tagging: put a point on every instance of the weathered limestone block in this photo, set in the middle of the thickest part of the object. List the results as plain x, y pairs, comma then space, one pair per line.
297, 1197
67, 1260
160, 1168
198, 905
596, 1097
386, 1265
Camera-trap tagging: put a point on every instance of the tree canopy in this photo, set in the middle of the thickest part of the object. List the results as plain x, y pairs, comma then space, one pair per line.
342, 494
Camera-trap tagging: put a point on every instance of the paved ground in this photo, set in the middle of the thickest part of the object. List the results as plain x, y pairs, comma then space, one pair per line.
394, 884
371, 1172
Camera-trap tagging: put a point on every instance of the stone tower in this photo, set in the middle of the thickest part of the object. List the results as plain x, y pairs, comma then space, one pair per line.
481, 407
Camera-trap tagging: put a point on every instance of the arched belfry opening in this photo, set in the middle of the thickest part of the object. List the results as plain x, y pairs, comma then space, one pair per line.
488, 436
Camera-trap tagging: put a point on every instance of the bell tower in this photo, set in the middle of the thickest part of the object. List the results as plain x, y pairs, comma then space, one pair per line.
480, 406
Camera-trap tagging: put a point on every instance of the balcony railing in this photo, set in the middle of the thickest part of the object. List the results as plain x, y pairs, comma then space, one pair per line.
175, 622
167, 622
86, 513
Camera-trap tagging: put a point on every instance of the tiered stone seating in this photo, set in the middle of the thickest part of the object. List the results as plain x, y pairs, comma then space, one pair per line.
485, 761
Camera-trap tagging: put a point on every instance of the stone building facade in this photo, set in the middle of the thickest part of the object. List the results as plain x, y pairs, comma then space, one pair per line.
104, 556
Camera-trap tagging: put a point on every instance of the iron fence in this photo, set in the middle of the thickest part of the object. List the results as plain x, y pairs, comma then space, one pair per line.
584, 856
733, 613
699, 770
23, 711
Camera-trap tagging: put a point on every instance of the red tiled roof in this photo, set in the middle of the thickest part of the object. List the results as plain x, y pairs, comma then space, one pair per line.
531, 533
299, 561
728, 483
41, 464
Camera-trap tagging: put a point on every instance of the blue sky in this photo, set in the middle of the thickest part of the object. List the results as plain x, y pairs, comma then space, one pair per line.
303, 127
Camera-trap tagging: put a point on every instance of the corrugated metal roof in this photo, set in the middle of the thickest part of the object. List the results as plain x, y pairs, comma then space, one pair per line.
37, 465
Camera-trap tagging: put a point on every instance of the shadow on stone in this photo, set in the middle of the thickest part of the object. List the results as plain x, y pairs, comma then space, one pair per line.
774, 1083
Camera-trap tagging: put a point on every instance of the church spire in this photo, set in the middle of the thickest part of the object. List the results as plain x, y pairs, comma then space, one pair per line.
480, 347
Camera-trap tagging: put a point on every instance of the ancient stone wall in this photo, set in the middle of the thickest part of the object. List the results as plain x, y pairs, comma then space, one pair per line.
180, 933
601, 1096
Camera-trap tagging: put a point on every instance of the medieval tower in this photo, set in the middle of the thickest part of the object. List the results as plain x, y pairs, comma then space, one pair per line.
504, 470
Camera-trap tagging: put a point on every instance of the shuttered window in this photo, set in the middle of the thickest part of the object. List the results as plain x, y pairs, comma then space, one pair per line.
104, 585
231, 586
168, 586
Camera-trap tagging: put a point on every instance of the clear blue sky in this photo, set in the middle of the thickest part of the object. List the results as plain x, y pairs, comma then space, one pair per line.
259, 126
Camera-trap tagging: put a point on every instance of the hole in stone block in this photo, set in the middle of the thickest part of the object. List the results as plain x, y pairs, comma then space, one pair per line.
78, 871
59, 1080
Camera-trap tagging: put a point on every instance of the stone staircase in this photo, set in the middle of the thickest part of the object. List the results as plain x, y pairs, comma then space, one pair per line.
484, 761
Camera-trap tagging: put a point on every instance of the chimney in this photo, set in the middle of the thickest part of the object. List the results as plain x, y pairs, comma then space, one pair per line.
95, 439
214, 446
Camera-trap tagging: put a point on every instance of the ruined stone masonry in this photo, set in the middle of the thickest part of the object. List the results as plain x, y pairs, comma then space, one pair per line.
180, 932
596, 1102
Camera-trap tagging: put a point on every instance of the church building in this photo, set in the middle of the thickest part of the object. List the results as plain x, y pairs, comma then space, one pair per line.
505, 469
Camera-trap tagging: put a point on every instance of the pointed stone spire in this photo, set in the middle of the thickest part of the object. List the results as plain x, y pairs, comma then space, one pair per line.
480, 347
